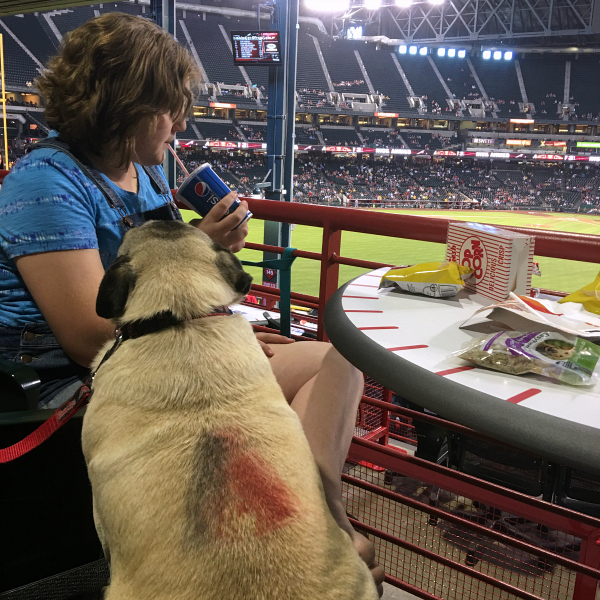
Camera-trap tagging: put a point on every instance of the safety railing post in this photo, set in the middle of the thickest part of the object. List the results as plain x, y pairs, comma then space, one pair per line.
330, 270
586, 586
385, 422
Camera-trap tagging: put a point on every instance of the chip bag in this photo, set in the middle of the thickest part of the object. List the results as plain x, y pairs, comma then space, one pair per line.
565, 357
588, 296
435, 279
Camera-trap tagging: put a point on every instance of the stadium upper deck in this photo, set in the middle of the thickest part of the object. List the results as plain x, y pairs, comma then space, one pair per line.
350, 94
345, 76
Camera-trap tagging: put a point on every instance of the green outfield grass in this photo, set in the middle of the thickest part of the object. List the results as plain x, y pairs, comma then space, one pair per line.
557, 274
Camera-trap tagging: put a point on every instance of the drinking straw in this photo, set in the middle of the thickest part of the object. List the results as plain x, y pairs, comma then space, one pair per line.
185, 171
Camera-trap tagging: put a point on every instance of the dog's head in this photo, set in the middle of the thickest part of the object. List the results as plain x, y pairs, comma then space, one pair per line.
169, 267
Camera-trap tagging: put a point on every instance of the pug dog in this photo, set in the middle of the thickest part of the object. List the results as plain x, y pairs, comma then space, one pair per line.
204, 484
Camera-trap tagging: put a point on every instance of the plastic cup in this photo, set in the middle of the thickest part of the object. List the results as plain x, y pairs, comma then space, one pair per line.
202, 189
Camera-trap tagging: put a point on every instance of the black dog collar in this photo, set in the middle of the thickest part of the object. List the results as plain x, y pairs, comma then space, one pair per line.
159, 322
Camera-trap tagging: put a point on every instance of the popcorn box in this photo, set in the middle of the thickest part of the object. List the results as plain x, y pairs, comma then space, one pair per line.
502, 259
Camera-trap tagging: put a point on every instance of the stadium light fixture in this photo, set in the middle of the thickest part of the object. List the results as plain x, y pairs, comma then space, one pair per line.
329, 6
462, 53
403, 3
497, 55
402, 49
486, 55
508, 55
423, 51
372, 4
441, 51
451, 52
412, 49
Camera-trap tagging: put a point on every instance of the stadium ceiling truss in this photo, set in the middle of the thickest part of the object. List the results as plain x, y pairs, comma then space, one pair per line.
472, 20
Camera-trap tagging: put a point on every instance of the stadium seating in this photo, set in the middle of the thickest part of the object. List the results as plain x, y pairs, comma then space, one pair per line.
216, 129
340, 136
320, 178
343, 67
385, 78
422, 140
585, 85
423, 79
377, 137
71, 18
189, 133
499, 79
456, 75
28, 29
305, 135
310, 74
542, 76
20, 70
255, 132
213, 49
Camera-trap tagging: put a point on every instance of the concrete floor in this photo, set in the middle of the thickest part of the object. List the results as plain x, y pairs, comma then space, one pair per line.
393, 593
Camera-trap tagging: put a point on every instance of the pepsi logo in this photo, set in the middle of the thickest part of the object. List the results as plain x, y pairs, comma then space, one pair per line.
201, 189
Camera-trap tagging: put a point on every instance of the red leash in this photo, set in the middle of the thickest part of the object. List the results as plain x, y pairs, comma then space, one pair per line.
60, 416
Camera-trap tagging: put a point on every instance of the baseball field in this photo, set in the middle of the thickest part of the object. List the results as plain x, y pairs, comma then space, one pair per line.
557, 274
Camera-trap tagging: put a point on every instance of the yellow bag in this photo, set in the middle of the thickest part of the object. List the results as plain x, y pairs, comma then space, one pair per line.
589, 296
435, 279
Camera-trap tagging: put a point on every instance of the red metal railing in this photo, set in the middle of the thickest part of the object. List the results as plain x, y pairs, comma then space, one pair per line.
440, 533
556, 244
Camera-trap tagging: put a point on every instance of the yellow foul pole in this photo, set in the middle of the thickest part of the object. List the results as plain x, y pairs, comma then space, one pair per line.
3, 101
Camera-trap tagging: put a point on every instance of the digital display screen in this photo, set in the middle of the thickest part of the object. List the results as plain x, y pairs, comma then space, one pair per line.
256, 48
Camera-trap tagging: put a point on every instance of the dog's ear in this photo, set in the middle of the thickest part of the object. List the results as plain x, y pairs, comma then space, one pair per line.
117, 283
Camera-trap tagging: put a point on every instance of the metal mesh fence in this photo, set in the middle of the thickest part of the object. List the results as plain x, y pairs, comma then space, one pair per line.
455, 541
370, 418
450, 545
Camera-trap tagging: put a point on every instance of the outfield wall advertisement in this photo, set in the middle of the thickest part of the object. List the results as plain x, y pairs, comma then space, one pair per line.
470, 153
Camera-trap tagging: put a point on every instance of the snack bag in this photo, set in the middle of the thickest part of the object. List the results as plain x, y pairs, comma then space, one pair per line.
435, 279
589, 296
559, 356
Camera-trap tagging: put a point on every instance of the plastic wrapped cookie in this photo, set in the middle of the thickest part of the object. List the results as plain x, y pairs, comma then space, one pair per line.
559, 356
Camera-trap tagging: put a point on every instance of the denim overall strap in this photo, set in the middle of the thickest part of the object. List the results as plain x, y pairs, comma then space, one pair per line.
170, 210
158, 182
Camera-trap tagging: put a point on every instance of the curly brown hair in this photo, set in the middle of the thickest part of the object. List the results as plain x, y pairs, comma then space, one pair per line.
109, 74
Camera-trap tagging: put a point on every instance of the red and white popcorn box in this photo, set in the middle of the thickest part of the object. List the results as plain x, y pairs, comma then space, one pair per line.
502, 259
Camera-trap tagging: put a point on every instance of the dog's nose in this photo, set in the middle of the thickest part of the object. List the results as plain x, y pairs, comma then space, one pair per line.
243, 283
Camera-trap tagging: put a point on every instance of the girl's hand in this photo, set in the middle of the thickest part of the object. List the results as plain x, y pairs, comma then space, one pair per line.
264, 339
222, 231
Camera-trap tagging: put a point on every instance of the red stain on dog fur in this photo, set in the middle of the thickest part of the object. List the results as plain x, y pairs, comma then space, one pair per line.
252, 487
258, 490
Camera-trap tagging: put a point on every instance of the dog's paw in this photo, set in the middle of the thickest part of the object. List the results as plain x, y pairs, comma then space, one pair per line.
366, 550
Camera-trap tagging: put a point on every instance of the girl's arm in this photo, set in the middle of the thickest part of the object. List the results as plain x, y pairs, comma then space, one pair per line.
64, 284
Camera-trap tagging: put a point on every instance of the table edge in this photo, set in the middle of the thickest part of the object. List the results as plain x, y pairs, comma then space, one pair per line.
565, 442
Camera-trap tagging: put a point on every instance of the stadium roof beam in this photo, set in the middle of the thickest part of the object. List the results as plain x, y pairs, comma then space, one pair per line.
476, 20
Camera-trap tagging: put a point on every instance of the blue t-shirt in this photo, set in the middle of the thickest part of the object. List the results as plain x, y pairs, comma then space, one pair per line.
48, 204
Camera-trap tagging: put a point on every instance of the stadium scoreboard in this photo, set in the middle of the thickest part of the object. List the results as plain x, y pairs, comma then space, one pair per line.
256, 48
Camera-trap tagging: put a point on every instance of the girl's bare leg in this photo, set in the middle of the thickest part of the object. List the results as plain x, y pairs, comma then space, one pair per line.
324, 390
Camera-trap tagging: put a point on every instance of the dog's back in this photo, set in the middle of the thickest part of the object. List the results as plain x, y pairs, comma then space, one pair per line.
204, 484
